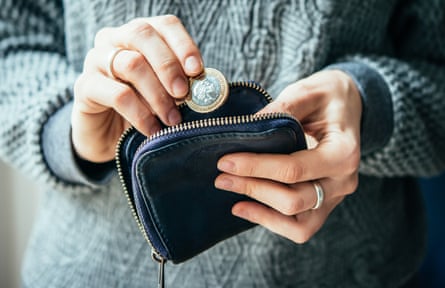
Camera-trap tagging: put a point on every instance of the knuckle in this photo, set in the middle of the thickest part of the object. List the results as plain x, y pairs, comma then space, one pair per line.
350, 157
135, 22
293, 206
130, 63
186, 46
291, 173
306, 236
89, 58
80, 86
283, 106
343, 82
302, 236
169, 19
352, 184
168, 66
101, 35
162, 101
142, 119
250, 189
353, 162
250, 168
122, 96
139, 28
303, 87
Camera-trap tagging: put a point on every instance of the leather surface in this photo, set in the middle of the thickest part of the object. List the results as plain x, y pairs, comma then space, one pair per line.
176, 197
171, 179
242, 101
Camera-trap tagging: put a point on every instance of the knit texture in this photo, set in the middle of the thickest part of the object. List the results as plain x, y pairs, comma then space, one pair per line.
85, 235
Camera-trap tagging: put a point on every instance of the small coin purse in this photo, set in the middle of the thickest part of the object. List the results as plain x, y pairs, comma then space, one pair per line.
169, 177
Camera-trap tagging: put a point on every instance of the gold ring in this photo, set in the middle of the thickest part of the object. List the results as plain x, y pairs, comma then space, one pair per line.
111, 58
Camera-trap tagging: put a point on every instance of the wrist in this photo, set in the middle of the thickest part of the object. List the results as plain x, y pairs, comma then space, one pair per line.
377, 109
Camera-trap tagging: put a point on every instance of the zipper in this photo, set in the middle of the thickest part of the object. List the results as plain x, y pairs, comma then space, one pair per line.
220, 121
253, 85
243, 84
155, 255
203, 123
213, 122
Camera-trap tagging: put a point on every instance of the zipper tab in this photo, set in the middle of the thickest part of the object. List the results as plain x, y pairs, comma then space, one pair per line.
161, 261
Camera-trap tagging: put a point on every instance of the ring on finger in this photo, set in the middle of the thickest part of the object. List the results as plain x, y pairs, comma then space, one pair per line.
111, 58
320, 194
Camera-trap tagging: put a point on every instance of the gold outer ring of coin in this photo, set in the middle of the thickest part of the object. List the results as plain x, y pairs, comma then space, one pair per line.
220, 99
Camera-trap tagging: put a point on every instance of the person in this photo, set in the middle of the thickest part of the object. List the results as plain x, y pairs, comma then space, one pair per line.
366, 81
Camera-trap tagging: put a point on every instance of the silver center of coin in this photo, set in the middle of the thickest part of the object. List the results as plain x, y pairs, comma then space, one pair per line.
206, 91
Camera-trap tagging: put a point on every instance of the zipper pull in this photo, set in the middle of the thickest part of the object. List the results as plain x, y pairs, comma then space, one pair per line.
161, 261
161, 283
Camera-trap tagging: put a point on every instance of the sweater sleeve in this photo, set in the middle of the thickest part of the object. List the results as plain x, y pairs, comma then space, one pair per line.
415, 77
37, 83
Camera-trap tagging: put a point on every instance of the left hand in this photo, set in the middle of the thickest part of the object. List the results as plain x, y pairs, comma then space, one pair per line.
329, 107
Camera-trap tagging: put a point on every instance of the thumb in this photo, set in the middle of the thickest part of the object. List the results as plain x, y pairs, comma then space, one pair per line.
296, 99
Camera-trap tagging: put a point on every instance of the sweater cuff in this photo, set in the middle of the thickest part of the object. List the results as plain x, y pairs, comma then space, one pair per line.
61, 158
377, 113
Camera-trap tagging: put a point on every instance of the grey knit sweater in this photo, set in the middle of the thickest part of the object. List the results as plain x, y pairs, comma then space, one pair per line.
85, 235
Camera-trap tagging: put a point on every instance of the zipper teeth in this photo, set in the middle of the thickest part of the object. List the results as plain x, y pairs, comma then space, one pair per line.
248, 84
220, 121
212, 122
127, 194
253, 85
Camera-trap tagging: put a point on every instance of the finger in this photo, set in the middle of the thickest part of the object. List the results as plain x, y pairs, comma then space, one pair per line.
299, 228
174, 34
323, 95
299, 99
181, 43
329, 159
339, 186
142, 36
291, 227
287, 199
306, 97
104, 93
132, 67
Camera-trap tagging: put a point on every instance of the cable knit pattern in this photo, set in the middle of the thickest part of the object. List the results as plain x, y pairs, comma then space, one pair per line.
36, 81
373, 239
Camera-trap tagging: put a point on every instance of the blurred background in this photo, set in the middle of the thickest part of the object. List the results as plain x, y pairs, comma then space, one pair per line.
19, 198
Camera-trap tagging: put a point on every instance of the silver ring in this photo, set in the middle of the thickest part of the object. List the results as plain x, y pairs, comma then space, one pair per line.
111, 58
320, 194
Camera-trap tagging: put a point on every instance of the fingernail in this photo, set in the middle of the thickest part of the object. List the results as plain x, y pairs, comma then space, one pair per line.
180, 87
226, 166
223, 183
174, 117
193, 65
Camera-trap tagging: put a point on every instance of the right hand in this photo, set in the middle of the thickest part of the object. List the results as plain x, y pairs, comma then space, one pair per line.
148, 75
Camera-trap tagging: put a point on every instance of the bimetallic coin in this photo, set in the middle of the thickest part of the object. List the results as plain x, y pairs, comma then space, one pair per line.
208, 91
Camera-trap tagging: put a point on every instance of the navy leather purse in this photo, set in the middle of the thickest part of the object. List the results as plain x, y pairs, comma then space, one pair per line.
168, 178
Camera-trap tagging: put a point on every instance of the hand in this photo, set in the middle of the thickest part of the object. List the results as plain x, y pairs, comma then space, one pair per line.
329, 107
151, 61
